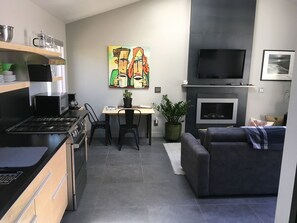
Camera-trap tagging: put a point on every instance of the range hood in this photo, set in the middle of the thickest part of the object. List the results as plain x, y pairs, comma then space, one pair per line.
40, 73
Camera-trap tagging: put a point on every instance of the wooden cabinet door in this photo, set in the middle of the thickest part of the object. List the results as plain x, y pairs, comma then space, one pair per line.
60, 200
43, 205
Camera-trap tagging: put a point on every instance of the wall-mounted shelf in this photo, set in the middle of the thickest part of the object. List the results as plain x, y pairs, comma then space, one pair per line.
10, 52
216, 86
5, 87
57, 79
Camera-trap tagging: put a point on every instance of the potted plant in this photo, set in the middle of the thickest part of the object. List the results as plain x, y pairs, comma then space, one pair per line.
173, 114
127, 98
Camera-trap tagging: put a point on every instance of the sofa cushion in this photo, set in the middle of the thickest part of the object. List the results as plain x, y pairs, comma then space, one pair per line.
219, 134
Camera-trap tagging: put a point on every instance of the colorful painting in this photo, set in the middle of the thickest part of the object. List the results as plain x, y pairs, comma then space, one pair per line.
128, 66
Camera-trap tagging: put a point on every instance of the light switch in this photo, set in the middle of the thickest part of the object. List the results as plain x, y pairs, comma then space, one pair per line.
261, 90
157, 89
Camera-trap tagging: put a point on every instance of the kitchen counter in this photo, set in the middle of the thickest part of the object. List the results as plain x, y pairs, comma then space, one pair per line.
76, 113
10, 193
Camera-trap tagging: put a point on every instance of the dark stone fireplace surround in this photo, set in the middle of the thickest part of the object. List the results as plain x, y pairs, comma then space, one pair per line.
194, 93
219, 25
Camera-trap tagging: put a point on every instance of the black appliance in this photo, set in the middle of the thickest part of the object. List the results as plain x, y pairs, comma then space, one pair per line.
221, 63
76, 148
40, 73
51, 104
72, 101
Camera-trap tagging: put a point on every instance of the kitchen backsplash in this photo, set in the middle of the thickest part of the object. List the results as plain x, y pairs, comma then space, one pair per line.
14, 107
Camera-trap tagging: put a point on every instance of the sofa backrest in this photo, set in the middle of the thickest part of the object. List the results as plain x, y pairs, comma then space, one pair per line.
221, 134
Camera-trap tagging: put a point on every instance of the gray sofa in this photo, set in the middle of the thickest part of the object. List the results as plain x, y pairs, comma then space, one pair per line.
224, 163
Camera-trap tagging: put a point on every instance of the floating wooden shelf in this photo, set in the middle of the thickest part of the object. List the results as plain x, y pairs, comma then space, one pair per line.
29, 49
11, 86
32, 55
216, 86
57, 79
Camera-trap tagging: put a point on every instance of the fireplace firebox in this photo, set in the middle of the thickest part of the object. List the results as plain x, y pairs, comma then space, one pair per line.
216, 110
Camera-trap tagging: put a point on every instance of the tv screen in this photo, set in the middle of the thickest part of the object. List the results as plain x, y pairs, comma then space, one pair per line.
221, 64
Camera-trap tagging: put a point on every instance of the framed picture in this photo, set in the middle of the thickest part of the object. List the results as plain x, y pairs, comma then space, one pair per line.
277, 65
128, 67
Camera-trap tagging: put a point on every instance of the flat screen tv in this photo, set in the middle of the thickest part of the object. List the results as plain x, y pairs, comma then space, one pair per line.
221, 63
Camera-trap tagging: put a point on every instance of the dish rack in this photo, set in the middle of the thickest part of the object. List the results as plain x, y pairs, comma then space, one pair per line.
8, 177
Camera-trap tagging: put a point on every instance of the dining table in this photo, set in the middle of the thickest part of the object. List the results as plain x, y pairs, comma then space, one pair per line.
113, 111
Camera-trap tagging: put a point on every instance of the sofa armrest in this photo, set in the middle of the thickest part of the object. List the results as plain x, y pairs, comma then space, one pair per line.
195, 162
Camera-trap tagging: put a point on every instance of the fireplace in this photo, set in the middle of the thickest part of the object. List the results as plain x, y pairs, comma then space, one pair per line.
216, 110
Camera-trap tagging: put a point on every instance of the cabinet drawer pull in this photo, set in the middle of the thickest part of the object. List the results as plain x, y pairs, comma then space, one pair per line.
34, 219
42, 184
59, 187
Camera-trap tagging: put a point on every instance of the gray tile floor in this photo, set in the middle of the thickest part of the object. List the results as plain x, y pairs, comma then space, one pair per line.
139, 186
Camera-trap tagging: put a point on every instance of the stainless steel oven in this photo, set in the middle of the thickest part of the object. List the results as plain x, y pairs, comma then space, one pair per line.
77, 149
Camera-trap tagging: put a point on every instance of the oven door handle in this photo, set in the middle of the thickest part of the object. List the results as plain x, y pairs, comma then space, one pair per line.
77, 145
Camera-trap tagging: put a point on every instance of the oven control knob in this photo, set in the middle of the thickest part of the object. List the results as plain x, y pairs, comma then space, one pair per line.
74, 133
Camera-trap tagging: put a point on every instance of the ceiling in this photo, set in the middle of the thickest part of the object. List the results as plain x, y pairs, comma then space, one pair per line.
73, 10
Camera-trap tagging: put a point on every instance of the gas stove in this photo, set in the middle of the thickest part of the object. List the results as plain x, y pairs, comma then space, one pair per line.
44, 125
76, 147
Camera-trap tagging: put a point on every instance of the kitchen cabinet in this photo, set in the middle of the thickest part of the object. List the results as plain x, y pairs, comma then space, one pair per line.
45, 199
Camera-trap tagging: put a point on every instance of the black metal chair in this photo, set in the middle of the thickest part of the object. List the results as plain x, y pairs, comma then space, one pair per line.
128, 123
96, 123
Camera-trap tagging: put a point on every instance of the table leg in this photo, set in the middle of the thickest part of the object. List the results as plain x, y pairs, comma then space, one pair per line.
107, 129
149, 128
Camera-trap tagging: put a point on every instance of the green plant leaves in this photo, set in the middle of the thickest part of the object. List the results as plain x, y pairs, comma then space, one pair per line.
127, 94
172, 112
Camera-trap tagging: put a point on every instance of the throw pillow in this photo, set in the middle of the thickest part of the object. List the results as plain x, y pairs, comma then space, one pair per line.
201, 134
258, 122
278, 120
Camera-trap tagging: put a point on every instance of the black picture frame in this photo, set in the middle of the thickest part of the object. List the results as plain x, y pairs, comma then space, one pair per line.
277, 65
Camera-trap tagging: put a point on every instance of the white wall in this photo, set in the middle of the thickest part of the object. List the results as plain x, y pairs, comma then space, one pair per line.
275, 29
289, 160
28, 20
162, 25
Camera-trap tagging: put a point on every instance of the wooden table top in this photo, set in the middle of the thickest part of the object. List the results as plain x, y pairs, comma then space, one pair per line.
113, 110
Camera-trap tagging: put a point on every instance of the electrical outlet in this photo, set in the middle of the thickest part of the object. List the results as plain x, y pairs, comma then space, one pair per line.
261, 90
156, 122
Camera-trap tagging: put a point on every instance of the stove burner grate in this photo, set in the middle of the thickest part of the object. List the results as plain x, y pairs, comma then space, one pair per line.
45, 125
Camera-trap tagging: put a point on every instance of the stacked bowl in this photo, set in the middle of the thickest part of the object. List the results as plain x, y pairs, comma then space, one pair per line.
8, 76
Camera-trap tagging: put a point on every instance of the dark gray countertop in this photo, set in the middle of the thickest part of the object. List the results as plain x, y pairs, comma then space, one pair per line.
10, 193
